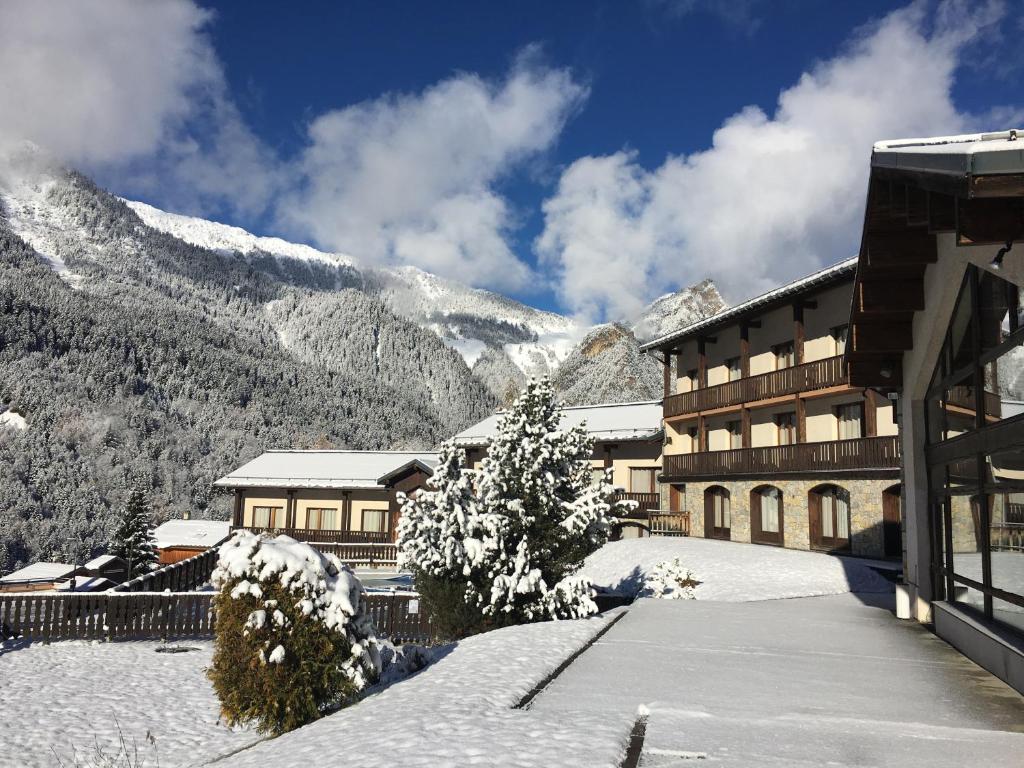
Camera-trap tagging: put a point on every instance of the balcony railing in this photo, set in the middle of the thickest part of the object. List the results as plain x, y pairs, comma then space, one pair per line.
645, 502
831, 456
820, 374
963, 397
315, 536
669, 523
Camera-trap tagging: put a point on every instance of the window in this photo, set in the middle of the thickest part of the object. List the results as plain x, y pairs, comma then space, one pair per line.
322, 519
839, 335
733, 366
786, 424
694, 442
266, 517
375, 520
596, 475
692, 376
784, 356
643, 479
850, 417
735, 434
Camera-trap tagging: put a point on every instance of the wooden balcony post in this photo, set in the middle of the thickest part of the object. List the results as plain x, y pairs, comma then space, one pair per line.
346, 510
745, 426
702, 435
798, 334
744, 350
801, 420
237, 517
667, 371
702, 363
870, 414
289, 513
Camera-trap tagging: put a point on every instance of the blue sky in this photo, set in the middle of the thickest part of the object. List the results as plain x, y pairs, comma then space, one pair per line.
562, 153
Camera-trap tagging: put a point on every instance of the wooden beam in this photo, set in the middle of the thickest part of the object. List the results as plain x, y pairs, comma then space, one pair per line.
997, 185
667, 371
745, 426
941, 212
237, 518
702, 363
917, 207
801, 420
989, 221
871, 372
346, 510
881, 335
890, 295
908, 246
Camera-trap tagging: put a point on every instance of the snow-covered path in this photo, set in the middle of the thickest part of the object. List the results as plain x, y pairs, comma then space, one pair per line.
821, 681
60, 697
459, 712
732, 571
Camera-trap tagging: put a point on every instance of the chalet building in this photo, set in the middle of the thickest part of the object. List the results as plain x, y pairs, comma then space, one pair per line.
326, 496
99, 574
177, 540
627, 439
938, 317
766, 440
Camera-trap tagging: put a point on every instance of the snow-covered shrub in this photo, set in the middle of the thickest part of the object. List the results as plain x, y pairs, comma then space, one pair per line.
669, 580
293, 637
502, 544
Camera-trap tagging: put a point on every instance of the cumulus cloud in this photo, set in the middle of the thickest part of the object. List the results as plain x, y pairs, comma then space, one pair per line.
119, 87
412, 178
775, 196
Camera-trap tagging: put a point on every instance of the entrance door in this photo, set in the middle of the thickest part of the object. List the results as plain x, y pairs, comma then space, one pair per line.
829, 508
717, 515
675, 499
892, 538
766, 516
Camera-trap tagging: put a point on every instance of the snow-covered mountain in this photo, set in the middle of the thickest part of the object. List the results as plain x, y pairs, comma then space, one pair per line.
675, 310
467, 319
608, 367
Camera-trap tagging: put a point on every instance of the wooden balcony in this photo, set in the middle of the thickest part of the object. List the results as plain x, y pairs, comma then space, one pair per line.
312, 536
669, 523
866, 453
645, 502
821, 374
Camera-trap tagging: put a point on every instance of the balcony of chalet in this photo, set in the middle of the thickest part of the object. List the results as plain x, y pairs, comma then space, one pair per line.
833, 456
808, 377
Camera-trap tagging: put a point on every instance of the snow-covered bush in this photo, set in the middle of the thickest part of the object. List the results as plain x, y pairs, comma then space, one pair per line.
502, 544
669, 580
293, 637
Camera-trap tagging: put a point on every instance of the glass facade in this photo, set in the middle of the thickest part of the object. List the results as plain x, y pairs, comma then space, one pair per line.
975, 452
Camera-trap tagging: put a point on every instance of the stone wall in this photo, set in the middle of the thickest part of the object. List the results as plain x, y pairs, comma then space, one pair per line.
865, 509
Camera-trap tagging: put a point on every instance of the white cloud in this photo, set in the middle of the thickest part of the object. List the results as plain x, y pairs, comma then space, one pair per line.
774, 196
117, 87
412, 178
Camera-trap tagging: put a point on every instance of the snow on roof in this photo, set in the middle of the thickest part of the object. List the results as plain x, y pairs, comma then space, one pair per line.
826, 275
973, 153
606, 422
322, 469
102, 561
84, 584
191, 533
40, 572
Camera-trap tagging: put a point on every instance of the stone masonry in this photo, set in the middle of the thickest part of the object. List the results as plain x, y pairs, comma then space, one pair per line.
865, 508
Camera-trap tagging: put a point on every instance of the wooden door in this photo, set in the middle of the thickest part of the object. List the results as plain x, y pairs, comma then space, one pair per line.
675, 499
829, 510
766, 523
892, 538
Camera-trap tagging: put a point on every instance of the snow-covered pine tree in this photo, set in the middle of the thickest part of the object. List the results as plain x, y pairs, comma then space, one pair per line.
501, 545
132, 540
439, 539
543, 513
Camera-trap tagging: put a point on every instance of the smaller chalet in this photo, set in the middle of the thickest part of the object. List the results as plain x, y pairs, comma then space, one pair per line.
178, 540
99, 574
627, 438
325, 496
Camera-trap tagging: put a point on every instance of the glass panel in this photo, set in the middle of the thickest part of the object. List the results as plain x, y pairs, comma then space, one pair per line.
850, 419
787, 428
827, 514
373, 520
1010, 614
735, 434
968, 596
839, 335
842, 514
328, 519
965, 516
596, 475
770, 510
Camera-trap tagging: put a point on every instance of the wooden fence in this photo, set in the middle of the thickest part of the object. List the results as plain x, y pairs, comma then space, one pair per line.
315, 535
669, 523
182, 576
166, 616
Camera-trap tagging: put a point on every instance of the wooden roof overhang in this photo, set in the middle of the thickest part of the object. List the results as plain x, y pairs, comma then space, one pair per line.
906, 208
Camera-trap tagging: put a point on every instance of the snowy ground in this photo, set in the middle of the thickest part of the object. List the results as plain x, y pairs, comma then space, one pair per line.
821, 681
62, 696
731, 571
